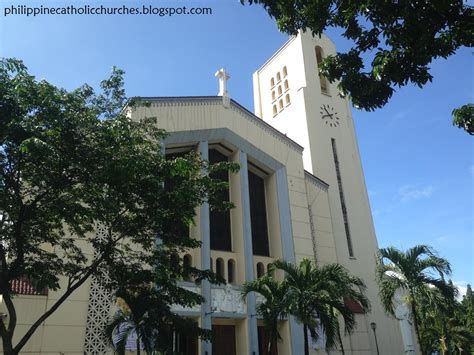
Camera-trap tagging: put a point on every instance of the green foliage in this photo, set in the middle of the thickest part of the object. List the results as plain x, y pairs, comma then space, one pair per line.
419, 272
314, 296
273, 309
467, 305
72, 162
400, 37
463, 117
146, 314
443, 324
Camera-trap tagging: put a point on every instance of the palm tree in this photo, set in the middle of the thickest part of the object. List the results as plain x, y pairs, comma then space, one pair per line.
274, 307
441, 323
131, 318
415, 271
316, 297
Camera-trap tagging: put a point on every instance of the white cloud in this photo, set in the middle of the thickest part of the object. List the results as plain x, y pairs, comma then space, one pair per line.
414, 192
462, 288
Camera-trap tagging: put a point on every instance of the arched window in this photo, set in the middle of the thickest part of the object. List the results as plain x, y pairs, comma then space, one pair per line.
174, 262
273, 95
272, 82
281, 104
279, 91
275, 111
285, 72
271, 270
287, 98
286, 85
212, 265
319, 55
278, 77
220, 267
231, 271
319, 60
260, 269
187, 263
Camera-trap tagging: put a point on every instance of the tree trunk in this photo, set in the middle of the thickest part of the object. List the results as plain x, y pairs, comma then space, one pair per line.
58, 303
270, 347
8, 346
306, 347
7, 327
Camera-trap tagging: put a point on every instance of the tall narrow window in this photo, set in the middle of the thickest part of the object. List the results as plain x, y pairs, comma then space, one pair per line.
285, 72
187, 264
220, 267
322, 80
287, 98
273, 95
278, 77
280, 91
341, 196
176, 229
220, 231
260, 269
280, 103
275, 110
258, 215
285, 84
174, 262
272, 82
231, 271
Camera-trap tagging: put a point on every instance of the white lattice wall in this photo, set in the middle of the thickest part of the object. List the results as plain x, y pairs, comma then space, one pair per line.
98, 312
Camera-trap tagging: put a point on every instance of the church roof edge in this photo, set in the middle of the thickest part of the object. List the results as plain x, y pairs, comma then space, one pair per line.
234, 103
316, 180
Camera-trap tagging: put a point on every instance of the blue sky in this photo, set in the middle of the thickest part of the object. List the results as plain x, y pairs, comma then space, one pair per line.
419, 168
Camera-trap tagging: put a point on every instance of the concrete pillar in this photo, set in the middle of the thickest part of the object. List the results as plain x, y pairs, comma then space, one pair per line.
248, 254
206, 319
288, 249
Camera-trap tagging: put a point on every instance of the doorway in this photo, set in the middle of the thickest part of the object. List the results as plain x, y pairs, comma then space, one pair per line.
223, 340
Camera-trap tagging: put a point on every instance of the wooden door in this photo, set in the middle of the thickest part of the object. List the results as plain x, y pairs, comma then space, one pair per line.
223, 340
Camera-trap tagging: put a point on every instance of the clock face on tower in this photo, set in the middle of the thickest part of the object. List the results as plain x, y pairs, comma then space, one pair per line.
329, 115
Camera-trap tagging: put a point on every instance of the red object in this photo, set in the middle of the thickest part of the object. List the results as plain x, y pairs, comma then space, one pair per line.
23, 286
354, 306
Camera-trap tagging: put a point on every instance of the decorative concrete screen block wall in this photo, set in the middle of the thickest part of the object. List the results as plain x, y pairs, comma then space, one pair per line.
98, 312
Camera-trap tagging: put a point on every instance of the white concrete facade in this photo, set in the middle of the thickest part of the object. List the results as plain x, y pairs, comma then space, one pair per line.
310, 119
293, 152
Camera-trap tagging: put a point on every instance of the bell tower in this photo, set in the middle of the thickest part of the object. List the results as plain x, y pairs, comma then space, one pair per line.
290, 95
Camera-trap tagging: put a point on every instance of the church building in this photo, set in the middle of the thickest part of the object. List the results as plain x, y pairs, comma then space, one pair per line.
300, 193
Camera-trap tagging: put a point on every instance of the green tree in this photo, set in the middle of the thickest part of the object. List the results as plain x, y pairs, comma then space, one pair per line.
317, 295
463, 117
466, 314
71, 162
144, 313
274, 307
442, 325
400, 38
415, 271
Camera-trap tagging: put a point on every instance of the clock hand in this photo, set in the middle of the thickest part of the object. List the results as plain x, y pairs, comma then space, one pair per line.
328, 114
